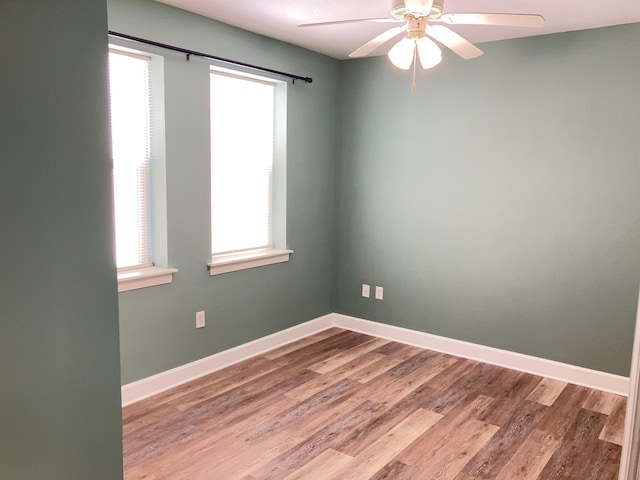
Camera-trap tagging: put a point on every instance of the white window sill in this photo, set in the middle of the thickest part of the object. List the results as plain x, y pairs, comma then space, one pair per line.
232, 262
144, 277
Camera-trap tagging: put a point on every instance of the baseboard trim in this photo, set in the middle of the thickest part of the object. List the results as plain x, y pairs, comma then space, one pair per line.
147, 387
517, 361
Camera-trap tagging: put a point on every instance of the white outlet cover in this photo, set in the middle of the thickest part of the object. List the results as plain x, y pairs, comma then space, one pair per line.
366, 292
379, 293
200, 319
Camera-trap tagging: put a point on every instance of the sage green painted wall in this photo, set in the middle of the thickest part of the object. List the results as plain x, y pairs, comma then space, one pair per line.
60, 415
499, 204
157, 325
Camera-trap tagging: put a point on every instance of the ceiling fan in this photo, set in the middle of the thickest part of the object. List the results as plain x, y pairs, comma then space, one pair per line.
423, 19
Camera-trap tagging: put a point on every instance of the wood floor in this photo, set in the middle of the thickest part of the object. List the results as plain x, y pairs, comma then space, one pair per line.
343, 405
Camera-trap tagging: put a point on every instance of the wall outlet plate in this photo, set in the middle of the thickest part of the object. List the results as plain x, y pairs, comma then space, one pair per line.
200, 319
366, 292
379, 293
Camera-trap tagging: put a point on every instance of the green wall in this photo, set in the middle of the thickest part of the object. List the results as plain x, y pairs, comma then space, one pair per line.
157, 325
498, 204
59, 361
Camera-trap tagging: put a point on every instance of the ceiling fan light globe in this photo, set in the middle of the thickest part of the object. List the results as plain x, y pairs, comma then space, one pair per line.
401, 54
430, 62
429, 53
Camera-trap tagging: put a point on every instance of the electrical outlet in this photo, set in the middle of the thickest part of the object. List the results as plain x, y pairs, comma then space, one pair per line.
379, 293
366, 290
200, 319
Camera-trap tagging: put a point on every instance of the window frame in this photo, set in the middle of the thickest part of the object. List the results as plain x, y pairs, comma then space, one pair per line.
276, 253
151, 274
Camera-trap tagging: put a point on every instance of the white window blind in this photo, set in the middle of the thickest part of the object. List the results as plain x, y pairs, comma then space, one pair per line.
131, 145
242, 150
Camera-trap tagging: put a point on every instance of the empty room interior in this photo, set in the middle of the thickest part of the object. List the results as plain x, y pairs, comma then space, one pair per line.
450, 285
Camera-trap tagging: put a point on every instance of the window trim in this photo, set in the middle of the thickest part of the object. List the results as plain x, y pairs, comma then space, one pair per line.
233, 262
133, 278
226, 262
149, 274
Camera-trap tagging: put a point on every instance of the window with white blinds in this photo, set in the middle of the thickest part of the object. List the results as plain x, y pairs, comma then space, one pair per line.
242, 158
131, 146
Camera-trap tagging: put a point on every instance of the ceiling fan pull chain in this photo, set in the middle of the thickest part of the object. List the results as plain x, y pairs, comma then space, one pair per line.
413, 85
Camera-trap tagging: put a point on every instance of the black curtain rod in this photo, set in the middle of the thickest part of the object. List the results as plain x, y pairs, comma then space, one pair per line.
189, 53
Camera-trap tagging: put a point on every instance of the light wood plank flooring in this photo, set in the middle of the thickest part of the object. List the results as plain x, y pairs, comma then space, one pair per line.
343, 405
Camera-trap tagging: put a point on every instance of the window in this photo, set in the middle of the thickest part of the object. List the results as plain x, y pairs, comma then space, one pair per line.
130, 140
131, 148
246, 164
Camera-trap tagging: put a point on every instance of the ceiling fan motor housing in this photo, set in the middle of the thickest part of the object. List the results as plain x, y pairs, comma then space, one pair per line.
416, 27
416, 8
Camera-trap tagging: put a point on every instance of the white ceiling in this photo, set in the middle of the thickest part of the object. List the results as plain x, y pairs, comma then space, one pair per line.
279, 18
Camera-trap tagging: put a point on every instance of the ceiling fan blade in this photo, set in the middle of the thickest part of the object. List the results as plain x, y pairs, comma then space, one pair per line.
453, 41
357, 20
371, 45
499, 19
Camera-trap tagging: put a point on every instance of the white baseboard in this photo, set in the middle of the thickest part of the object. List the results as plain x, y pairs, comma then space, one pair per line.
517, 361
147, 387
